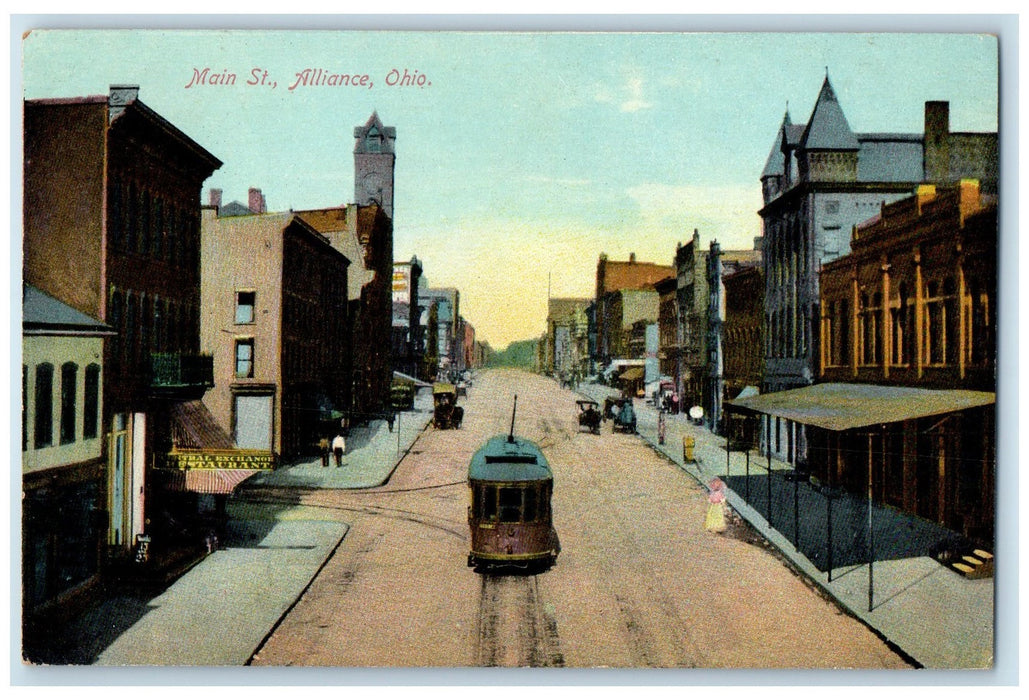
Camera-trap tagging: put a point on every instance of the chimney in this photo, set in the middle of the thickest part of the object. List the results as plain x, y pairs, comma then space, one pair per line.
118, 98
216, 198
255, 201
937, 141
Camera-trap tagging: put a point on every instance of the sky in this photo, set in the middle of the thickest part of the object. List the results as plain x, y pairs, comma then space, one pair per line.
521, 157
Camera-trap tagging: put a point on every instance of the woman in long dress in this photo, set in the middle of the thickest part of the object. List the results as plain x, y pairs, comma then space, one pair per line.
715, 520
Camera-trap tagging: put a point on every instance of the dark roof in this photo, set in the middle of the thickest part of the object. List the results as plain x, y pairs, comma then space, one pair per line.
827, 129
776, 163
882, 157
234, 209
890, 158
42, 312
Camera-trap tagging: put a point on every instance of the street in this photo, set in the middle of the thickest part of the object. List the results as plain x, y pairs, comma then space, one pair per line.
639, 581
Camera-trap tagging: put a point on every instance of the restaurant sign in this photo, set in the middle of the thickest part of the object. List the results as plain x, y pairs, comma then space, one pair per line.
220, 459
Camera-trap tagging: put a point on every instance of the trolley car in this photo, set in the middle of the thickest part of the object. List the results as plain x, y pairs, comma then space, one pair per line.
510, 519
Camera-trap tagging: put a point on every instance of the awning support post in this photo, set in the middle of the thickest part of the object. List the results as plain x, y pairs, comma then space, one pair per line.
769, 480
796, 506
828, 507
747, 482
871, 543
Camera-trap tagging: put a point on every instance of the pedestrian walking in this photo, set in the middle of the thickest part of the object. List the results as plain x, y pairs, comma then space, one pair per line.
660, 427
715, 520
324, 448
339, 446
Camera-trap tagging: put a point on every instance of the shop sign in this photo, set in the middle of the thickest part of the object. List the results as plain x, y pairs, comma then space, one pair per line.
220, 459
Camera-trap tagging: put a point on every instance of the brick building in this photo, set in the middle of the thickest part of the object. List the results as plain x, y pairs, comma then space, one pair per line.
275, 319
612, 277
112, 229
821, 179
914, 305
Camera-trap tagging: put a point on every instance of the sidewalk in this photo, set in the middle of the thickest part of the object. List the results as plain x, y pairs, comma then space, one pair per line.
936, 617
373, 452
219, 612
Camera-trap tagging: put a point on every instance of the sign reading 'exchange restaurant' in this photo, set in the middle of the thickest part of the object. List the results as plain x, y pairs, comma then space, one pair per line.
220, 459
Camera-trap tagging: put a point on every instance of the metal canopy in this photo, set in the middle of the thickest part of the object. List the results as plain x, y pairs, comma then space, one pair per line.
847, 406
631, 374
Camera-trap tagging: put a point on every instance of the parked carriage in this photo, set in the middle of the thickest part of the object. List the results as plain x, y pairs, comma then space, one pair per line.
625, 418
446, 412
509, 515
589, 415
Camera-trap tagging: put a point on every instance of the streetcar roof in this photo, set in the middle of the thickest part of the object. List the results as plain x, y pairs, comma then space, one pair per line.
503, 458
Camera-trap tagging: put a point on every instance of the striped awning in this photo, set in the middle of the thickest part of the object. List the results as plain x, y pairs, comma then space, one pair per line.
193, 426
204, 459
216, 481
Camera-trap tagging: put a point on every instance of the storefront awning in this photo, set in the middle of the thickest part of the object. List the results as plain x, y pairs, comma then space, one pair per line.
193, 426
632, 374
217, 481
848, 406
203, 458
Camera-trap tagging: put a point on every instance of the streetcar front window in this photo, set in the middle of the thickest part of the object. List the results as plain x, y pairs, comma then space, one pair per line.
530, 505
510, 504
488, 501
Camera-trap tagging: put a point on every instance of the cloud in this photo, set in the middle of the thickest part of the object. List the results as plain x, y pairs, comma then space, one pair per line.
629, 96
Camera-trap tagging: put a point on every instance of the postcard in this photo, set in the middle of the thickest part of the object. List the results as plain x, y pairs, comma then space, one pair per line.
458, 349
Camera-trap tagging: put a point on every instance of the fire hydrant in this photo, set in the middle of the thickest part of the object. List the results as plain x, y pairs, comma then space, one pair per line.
687, 449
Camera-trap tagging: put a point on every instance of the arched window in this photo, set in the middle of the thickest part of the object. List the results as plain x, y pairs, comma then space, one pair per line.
116, 321
845, 321
951, 320
91, 403
933, 333
43, 428
69, 387
131, 329
131, 218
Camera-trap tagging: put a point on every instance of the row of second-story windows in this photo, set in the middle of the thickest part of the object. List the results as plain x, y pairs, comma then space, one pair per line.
147, 224
43, 404
148, 324
869, 333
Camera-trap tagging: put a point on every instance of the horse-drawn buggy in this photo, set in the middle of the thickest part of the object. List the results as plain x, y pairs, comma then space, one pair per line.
446, 412
589, 415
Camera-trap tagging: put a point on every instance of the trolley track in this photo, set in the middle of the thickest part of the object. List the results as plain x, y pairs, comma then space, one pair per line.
450, 527
655, 633
515, 628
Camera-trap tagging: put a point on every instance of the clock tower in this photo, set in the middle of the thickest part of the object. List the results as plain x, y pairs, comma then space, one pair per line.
374, 161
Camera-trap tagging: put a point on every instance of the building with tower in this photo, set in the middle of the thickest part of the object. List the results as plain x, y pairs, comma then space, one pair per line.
374, 164
820, 180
